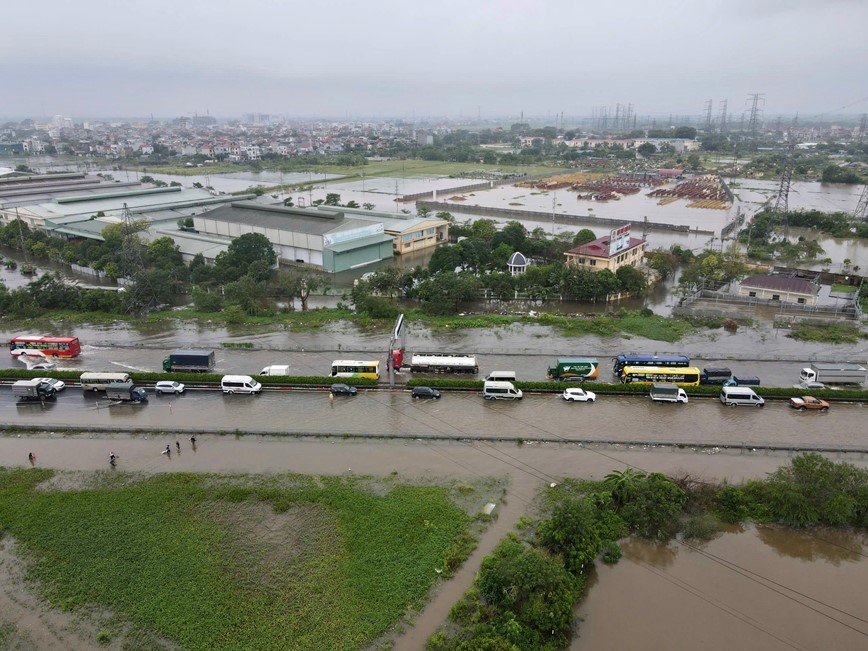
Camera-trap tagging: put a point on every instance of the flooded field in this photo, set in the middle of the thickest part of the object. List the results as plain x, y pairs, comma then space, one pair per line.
755, 588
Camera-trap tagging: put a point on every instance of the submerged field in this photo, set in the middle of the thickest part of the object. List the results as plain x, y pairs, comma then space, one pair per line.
208, 562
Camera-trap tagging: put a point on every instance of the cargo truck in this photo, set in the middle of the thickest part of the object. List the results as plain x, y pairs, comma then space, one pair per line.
714, 375
275, 369
189, 361
125, 392
31, 390
850, 373
668, 393
574, 369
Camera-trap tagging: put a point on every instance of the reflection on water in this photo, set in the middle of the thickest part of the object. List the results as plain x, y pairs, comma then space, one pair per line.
831, 545
766, 588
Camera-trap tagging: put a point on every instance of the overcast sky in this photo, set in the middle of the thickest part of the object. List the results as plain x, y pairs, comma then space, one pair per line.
405, 58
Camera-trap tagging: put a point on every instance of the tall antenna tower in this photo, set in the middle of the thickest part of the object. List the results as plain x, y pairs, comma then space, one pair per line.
708, 106
723, 124
753, 122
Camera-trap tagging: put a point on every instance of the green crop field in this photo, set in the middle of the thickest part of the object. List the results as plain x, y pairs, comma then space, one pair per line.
242, 562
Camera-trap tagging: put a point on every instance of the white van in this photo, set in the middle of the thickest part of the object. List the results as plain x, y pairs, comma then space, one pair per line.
501, 376
240, 384
494, 390
275, 369
740, 396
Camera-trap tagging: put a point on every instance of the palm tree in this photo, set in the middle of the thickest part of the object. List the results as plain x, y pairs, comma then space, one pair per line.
623, 484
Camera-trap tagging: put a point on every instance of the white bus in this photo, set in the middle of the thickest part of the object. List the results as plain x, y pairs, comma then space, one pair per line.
91, 381
349, 368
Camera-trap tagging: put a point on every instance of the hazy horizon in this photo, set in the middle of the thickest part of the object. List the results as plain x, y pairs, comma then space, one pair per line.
489, 60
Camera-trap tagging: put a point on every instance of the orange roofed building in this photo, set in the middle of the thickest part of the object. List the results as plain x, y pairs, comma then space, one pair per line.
612, 252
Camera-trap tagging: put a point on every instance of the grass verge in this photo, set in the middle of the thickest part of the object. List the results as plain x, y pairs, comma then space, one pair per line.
229, 563
832, 334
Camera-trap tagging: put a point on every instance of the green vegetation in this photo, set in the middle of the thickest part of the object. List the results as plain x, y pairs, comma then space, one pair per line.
207, 562
764, 241
832, 334
525, 594
837, 174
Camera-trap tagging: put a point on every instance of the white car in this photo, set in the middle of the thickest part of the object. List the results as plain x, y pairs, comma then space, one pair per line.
810, 385
573, 394
59, 385
43, 366
168, 386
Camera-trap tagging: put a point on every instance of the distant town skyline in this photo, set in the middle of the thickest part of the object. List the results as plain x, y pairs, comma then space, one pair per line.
489, 60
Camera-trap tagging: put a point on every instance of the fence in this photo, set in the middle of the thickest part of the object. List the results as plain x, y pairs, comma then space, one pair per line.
532, 215
717, 304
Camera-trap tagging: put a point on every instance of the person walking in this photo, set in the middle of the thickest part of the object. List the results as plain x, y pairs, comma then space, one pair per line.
168, 451
31, 458
178, 445
193, 441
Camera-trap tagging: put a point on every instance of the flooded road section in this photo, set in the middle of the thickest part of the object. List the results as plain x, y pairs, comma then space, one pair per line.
456, 415
764, 588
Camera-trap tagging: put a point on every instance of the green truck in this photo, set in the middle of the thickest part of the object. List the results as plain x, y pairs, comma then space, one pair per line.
574, 369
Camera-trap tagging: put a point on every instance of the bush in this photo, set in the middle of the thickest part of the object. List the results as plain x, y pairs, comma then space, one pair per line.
731, 504
611, 552
701, 527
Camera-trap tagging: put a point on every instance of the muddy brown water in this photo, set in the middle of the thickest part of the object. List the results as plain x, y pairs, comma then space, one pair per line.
763, 588
530, 467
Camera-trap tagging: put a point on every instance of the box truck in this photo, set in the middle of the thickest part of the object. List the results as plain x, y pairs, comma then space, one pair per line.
575, 369
189, 361
125, 392
714, 375
668, 393
275, 369
849, 373
35, 389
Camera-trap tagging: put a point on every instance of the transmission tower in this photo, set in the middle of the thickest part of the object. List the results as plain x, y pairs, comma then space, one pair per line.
723, 123
781, 210
755, 112
861, 213
708, 106
133, 265
863, 125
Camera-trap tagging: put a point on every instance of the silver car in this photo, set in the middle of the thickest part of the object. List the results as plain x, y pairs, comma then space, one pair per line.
169, 386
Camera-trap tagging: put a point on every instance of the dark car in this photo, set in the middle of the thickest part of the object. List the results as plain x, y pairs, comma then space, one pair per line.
343, 390
425, 392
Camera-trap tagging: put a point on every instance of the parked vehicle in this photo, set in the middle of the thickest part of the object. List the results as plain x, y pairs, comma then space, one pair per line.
574, 368
740, 396
240, 384
663, 392
501, 376
350, 368
58, 385
425, 392
443, 363
125, 392
96, 381
835, 373
340, 389
34, 389
742, 381
807, 385
619, 362
275, 369
577, 394
714, 375
189, 361
809, 402
681, 375
169, 386
501, 391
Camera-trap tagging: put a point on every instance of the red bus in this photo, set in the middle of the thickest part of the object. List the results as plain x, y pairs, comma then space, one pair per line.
45, 346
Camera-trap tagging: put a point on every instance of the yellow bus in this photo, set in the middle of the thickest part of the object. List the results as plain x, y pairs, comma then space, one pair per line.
348, 368
687, 376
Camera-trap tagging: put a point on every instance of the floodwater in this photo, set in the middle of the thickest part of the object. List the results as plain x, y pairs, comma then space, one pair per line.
761, 587
530, 467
